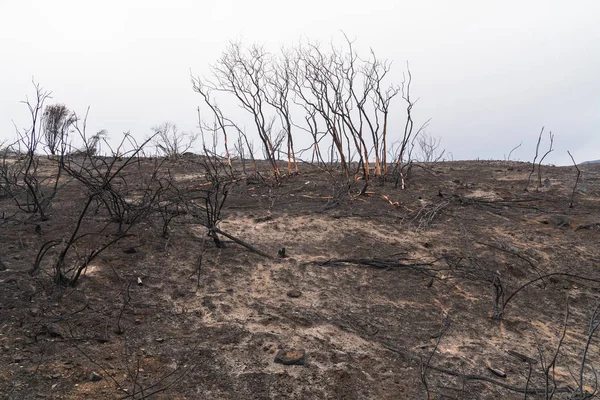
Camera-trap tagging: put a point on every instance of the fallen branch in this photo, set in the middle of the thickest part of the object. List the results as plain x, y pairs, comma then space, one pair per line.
386, 264
473, 377
216, 230
241, 243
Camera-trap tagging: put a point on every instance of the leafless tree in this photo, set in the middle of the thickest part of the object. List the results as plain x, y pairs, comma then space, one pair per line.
316, 86
170, 141
576, 180
376, 72
343, 102
403, 161
428, 148
535, 158
243, 74
21, 179
348, 96
220, 123
277, 94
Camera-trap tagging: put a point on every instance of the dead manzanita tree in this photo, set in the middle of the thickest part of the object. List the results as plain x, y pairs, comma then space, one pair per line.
278, 95
344, 102
541, 159
403, 158
243, 73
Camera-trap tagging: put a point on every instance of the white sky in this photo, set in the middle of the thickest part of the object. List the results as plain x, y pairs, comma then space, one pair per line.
488, 73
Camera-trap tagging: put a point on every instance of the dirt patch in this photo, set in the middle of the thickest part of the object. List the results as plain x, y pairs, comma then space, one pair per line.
375, 280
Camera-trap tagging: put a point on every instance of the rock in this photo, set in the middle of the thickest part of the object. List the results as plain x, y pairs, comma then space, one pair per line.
10, 279
55, 331
94, 377
160, 340
559, 221
264, 218
547, 183
582, 188
208, 303
130, 250
226, 308
291, 357
497, 372
522, 357
104, 339
294, 293
592, 225
2, 266
55, 376
51, 330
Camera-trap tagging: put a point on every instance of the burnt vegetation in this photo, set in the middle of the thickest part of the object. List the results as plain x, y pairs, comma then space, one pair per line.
141, 269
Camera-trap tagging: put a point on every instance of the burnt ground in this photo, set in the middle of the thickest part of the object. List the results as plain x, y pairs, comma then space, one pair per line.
383, 292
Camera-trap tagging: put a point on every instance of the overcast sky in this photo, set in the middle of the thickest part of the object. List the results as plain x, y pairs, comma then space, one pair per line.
490, 74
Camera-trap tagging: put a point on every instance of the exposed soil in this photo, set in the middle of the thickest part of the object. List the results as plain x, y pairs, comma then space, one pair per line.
366, 287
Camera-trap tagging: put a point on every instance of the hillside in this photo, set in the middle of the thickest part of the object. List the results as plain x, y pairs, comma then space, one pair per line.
390, 294
590, 162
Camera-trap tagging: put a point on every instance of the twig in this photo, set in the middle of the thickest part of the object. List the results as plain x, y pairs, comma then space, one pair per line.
482, 378
547, 276
514, 148
126, 301
550, 150
528, 381
553, 362
537, 149
576, 180
425, 366
594, 325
